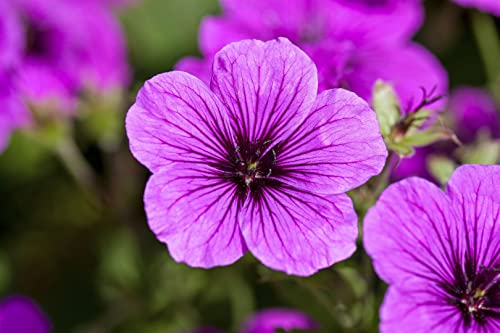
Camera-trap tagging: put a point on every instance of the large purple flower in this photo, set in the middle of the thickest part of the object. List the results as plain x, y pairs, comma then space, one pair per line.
353, 43
20, 315
268, 321
68, 46
258, 162
439, 252
490, 6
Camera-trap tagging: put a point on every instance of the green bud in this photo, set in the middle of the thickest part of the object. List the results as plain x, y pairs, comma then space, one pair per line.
386, 105
441, 168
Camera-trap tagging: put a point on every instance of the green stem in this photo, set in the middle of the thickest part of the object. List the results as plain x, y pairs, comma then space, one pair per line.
77, 165
488, 42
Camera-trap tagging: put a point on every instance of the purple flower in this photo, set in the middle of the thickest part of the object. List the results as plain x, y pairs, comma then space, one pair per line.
11, 37
439, 252
20, 315
473, 110
257, 162
353, 43
268, 321
68, 46
490, 6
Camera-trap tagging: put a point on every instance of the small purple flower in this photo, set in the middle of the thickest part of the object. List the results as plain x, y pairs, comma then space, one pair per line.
257, 162
353, 43
268, 321
19, 314
490, 6
473, 110
439, 252
68, 46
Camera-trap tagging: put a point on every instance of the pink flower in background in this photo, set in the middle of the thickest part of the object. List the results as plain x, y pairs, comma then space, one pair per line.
268, 321
69, 46
19, 314
439, 252
258, 162
489, 6
353, 43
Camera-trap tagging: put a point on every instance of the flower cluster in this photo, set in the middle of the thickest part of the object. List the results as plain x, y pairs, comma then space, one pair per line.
353, 43
53, 50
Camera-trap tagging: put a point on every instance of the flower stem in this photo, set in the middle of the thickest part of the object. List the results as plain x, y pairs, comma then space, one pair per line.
488, 41
77, 166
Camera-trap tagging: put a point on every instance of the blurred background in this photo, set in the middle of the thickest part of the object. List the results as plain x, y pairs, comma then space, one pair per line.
85, 252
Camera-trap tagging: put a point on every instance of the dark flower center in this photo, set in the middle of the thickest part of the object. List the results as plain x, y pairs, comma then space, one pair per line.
476, 292
37, 41
253, 167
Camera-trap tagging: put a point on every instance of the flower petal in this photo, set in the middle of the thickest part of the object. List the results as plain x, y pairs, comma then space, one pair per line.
474, 192
418, 309
201, 68
408, 68
193, 210
216, 32
298, 232
19, 314
489, 6
337, 148
176, 118
269, 87
412, 233
269, 320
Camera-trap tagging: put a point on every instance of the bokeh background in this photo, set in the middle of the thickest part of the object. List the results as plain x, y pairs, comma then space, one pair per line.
88, 257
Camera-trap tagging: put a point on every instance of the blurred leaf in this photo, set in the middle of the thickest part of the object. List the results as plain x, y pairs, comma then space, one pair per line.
5, 274
441, 168
482, 152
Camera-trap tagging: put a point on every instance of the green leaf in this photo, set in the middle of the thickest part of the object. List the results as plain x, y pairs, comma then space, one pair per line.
386, 105
428, 136
441, 168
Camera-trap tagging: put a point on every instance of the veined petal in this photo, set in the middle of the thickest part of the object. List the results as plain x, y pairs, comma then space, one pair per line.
192, 209
176, 118
475, 194
269, 87
413, 233
418, 310
337, 148
298, 232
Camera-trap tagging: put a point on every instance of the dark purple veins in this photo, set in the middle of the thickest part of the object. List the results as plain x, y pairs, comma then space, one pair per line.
475, 291
252, 167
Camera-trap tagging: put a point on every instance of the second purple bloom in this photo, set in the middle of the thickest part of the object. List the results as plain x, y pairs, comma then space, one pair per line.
257, 162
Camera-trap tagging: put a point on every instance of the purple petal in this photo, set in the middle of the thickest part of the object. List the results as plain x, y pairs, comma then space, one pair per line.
473, 110
410, 232
268, 321
423, 312
390, 22
176, 118
474, 192
11, 37
299, 232
415, 165
201, 68
20, 315
269, 87
408, 68
489, 6
194, 210
215, 33
326, 155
